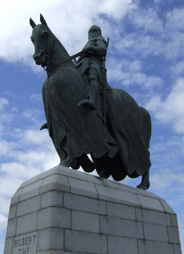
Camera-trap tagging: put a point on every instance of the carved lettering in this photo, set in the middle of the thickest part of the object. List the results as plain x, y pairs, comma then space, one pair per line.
25, 244
24, 250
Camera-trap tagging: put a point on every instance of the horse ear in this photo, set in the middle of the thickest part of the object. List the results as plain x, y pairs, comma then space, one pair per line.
32, 23
43, 20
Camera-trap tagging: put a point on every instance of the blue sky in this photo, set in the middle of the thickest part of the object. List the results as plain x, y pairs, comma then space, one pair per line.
145, 58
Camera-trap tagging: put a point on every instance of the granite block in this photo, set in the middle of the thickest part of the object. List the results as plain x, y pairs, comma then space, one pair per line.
80, 175
154, 247
85, 204
177, 249
30, 190
121, 211
40, 176
28, 206
78, 241
50, 239
85, 221
173, 234
119, 245
166, 207
54, 217
150, 203
156, 217
155, 232
77, 213
55, 252
12, 211
55, 182
25, 243
83, 188
121, 227
8, 245
11, 229
117, 195
27, 223
139, 214
16, 196
52, 198
174, 221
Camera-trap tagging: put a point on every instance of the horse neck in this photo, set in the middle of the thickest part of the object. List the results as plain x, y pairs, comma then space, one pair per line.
58, 57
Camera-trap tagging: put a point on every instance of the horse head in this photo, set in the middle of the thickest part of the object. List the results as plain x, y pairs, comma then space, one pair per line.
43, 41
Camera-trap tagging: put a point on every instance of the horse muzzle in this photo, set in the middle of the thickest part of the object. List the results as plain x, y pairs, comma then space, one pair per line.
40, 58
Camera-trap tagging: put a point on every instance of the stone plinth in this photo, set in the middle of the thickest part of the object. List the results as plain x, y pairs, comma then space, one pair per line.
62, 211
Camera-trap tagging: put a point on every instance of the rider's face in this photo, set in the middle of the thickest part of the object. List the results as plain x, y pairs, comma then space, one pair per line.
93, 33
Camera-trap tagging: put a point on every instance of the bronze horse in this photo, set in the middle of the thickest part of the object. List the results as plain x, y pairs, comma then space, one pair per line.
118, 146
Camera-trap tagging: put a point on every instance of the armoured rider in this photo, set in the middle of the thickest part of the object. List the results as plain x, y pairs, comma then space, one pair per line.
92, 64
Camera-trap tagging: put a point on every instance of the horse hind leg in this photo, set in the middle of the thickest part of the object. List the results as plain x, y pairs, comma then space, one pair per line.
145, 183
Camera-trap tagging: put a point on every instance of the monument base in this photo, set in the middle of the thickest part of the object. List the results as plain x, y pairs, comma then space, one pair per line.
62, 211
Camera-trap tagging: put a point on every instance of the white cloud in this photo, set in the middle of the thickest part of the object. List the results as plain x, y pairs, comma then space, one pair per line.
32, 115
147, 19
151, 35
140, 43
130, 73
3, 222
116, 9
69, 20
3, 103
154, 103
36, 97
5, 146
178, 69
173, 45
170, 110
175, 20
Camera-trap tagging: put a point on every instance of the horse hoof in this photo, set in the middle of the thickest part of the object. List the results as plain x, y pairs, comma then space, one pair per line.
104, 174
70, 163
87, 105
143, 186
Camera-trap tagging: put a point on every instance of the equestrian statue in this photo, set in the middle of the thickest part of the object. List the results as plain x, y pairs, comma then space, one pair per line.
91, 124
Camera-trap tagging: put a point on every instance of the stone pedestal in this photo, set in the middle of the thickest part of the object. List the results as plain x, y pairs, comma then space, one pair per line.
62, 211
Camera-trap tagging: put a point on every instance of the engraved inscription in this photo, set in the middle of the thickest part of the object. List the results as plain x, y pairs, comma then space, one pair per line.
25, 244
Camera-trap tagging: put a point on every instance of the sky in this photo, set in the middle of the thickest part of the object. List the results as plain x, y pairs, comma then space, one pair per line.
145, 58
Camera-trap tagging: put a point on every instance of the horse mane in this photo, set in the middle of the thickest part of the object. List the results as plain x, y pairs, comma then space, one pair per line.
59, 46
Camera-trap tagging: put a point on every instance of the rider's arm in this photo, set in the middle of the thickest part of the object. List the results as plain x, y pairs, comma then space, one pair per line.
99, 48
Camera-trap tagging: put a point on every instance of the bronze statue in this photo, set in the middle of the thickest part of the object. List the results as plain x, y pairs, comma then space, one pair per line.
85, 115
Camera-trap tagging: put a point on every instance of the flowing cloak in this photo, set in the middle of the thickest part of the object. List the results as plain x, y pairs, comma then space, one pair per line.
73, 130
123, 142
128, 124
131, 128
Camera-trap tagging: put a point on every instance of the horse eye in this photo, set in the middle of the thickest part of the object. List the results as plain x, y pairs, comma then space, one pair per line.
45, 35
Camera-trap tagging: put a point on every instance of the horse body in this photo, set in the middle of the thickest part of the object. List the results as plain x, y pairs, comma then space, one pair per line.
119, 147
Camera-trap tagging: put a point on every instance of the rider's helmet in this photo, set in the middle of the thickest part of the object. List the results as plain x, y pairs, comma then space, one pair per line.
94, 32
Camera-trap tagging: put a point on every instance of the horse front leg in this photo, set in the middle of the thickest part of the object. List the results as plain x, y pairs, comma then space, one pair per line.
68, 162
145, 183
75, 163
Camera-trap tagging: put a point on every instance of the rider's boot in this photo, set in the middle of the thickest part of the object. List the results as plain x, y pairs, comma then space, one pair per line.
90, 102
